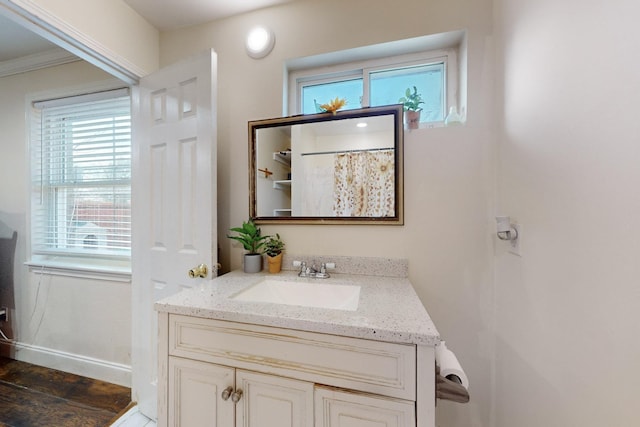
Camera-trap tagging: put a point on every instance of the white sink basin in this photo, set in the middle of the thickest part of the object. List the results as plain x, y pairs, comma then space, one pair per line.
320, 295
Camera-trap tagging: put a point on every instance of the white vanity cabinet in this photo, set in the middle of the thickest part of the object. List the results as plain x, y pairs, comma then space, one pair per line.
286, 377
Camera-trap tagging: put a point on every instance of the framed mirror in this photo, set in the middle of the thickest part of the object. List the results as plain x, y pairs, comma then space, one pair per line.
343, 168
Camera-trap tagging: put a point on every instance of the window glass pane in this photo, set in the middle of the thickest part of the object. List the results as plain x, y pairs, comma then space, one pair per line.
96, 219
387, 87
314, 95
82, 178
100, 149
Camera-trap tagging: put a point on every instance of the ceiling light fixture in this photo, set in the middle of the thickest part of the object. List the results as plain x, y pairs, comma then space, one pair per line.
260, 42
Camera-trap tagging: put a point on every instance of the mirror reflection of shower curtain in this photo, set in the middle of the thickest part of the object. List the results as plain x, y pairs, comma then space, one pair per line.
364, 184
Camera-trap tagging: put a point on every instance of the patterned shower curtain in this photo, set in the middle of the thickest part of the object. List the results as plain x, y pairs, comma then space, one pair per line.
364, 184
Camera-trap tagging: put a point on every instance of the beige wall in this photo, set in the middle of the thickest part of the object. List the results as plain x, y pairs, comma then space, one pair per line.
79, 325
448, 171
567, 311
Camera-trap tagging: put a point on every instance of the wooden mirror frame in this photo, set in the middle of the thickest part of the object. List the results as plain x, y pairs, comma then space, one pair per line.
395, 110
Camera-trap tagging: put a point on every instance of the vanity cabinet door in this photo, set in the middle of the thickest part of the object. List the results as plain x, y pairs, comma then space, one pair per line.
339, 408
195, 394
271, 401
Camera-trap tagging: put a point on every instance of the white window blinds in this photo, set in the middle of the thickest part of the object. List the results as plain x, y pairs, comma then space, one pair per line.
81, 176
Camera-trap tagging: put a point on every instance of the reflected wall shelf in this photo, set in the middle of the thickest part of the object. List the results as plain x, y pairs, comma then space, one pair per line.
282, 212
283, 157
283, 184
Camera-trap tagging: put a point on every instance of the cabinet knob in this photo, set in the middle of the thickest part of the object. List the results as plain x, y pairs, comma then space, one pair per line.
226, 393
236, 396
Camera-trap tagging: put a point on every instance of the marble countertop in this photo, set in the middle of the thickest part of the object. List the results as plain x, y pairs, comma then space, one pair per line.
389, 309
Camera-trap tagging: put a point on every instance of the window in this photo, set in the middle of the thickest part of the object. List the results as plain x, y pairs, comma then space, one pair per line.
388, 85
381, 81
81, 177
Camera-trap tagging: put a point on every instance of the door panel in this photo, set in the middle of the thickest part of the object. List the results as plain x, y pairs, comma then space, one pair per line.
270, 401
335, 408
174, 193
195, 394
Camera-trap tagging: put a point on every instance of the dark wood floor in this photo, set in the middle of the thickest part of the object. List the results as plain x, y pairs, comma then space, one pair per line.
31, 396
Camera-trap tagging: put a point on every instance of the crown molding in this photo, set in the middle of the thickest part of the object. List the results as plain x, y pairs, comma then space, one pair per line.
36, 61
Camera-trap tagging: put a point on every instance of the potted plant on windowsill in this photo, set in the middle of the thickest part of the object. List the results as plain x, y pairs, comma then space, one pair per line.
273, 247
252, 240
411, 102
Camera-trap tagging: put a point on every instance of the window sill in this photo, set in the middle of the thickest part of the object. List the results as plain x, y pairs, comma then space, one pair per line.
114, 271
434, 125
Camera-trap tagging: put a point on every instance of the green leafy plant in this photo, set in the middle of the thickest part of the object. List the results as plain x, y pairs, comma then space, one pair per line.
273, 246
250, 236
411, 100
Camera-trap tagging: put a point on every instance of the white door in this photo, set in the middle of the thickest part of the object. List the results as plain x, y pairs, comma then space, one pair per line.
174, 198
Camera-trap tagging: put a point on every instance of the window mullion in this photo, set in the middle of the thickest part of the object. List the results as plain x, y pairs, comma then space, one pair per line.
366, 87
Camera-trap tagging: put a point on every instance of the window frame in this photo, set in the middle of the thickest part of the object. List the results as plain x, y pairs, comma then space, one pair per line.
297, 79
96, 266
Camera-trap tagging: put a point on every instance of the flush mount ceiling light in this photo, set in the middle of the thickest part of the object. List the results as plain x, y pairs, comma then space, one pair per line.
260, 42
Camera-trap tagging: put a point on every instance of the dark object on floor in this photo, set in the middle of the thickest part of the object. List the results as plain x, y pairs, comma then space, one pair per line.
7, 285
32, 396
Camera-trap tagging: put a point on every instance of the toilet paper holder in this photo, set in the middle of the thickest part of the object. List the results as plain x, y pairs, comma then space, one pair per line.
450, 388
451, 381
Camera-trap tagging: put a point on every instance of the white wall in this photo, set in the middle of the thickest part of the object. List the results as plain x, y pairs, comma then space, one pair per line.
110, 28
567, 323
78, 325
448, 171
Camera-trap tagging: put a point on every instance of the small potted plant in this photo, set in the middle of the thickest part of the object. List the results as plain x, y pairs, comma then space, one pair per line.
273, 247
252, 240
412, 108
334, 105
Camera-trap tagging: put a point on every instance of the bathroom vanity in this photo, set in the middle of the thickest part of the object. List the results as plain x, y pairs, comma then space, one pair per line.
232, 353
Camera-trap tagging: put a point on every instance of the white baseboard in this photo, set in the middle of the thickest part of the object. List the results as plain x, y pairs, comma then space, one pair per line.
76, 364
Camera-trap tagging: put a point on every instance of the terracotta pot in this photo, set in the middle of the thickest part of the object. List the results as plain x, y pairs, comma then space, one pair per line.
252, 263
412, 118
275, 263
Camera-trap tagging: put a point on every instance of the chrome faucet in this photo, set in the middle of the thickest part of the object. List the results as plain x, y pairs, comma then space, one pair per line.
312, 271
